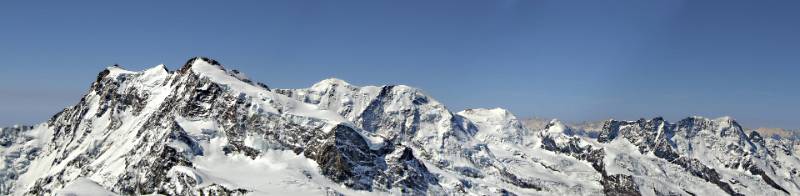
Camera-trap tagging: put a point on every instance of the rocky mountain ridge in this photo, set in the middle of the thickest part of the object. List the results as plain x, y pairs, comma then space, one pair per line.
593, 128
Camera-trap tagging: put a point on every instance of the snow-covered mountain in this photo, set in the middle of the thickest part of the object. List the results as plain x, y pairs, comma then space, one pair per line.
588, 128
206, 130
778, 132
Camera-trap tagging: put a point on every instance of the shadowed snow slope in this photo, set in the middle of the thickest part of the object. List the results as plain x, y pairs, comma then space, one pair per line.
206, 130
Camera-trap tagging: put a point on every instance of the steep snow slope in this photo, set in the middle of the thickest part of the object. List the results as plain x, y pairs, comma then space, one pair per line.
205, 130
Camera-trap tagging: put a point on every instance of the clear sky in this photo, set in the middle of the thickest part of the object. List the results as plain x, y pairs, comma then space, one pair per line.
573, 60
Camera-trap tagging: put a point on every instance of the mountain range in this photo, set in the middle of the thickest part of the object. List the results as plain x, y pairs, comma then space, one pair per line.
593, 128
206, 130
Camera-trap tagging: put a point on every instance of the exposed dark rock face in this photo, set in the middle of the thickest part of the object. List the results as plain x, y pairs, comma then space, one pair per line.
406, 172
339, 153
16, 160
617, 184
696, 168
10, 135
648, 136
759, 172
345, 157
520, 182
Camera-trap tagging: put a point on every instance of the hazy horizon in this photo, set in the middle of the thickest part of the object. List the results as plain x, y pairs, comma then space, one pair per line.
572, 61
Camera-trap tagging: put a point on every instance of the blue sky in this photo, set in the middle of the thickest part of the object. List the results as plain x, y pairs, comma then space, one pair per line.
573, 60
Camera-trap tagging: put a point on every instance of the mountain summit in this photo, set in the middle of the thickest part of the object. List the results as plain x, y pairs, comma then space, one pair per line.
207, 130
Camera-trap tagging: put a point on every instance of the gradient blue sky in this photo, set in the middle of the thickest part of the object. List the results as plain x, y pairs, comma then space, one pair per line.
573, 60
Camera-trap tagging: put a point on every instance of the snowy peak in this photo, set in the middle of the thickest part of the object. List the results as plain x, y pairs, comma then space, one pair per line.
114, 75
719, 141
331, 83
197, 60
641, 128
496, 125
495, 114
117, 69
159, 69
355, 102
723, 125
204, 65
557, 128
210, 68
113, 72
725, 121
